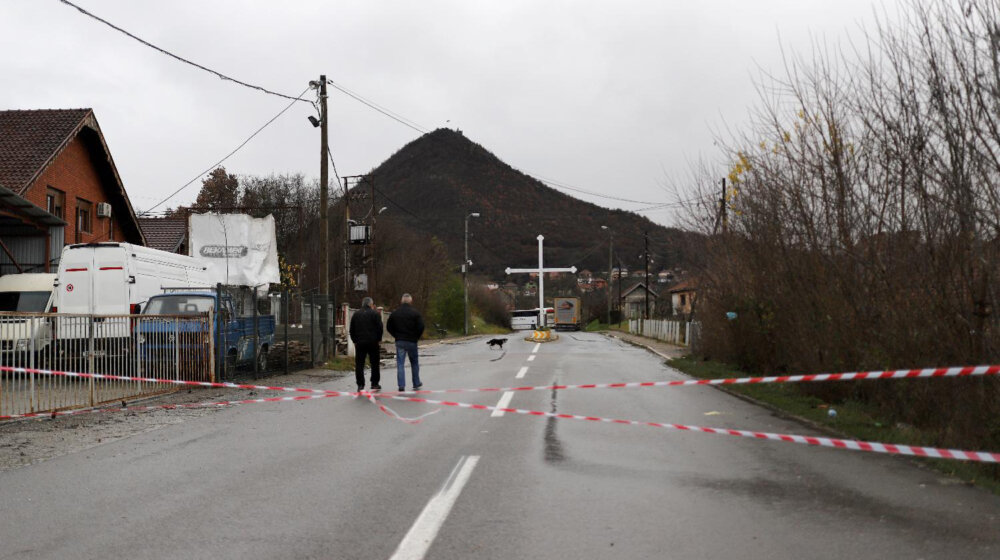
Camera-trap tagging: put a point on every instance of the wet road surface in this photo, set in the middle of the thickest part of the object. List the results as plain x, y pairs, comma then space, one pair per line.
336, 478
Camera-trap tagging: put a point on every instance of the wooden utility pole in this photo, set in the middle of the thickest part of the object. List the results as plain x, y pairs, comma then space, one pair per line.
645, 279
324, 222
722, 208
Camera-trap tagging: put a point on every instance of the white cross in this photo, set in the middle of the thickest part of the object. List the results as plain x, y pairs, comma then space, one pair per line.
541, 270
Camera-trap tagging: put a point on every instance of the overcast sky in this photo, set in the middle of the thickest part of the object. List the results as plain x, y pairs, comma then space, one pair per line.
612, 97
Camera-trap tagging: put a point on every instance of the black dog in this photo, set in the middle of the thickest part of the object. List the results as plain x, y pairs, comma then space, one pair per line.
496, 342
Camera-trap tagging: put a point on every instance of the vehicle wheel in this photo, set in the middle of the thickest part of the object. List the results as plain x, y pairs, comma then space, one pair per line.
231, 365
262, 359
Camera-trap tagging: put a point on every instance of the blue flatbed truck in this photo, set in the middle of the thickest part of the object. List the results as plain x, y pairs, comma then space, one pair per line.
236, 342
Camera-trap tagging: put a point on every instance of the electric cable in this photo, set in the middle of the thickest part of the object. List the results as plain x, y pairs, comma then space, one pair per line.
371, 104
181, 59
218, 163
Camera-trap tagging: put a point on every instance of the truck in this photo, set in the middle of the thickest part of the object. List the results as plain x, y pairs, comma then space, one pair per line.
99, 285
567, 315
164, 337
24, 330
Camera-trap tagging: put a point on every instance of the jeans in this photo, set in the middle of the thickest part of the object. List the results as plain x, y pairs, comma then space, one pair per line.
403, 349
371, 351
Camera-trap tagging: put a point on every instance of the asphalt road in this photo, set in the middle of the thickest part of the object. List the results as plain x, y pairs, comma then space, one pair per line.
336, 478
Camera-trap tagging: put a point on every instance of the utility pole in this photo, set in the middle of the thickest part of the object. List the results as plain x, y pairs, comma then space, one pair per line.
465, 270
645, 279
371, 242
347, 243
324, 222
611, 244
722, 208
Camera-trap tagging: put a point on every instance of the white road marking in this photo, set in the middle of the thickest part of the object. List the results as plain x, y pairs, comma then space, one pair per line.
531, 358
537, 346
504, 402
521, 372
421, 535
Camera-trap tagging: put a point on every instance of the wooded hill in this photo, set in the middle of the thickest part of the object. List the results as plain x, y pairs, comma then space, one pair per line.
432, 183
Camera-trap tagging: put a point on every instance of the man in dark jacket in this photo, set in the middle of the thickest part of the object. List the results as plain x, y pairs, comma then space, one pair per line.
406, 325
366, 334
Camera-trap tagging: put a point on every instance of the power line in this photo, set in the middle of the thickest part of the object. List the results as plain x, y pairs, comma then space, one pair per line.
181, 59
218, 163
557, 184
394, 116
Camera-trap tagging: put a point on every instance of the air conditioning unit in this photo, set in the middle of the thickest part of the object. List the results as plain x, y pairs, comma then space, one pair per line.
103, 210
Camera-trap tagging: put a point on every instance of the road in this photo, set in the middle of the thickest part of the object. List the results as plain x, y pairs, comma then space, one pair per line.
337, 478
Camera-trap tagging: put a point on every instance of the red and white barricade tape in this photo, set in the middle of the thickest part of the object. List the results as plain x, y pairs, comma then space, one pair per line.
147, 408
875, 447
171, 381
964, 371
926, 373
871, 446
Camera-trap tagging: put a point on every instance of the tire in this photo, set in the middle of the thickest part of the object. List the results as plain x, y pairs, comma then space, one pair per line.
262, 359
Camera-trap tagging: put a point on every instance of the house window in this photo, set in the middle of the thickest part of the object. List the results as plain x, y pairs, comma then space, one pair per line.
55, 201
84, 211
684, 299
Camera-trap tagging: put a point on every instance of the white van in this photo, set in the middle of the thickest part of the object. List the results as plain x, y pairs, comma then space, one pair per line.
116, 279
25, 293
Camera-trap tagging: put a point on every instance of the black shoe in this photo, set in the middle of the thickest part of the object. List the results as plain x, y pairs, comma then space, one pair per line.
361, 388
417, 387
402, 389
376, 388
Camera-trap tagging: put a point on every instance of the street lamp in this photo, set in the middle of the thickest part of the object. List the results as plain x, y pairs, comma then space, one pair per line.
465, 269
611, 244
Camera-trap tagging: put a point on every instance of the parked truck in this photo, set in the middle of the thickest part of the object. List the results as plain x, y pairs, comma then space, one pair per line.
172, 339
567, 315
24, 331
98, 287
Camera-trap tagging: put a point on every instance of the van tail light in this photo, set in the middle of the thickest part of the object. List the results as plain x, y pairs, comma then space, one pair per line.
133, 309
55, 309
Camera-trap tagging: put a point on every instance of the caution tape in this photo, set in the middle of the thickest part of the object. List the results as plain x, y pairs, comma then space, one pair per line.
171, 381
148, 408
963, 371
856, 445
925, 373
875, 447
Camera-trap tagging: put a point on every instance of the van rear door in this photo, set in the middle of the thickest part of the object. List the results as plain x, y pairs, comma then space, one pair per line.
110, 281
76, 284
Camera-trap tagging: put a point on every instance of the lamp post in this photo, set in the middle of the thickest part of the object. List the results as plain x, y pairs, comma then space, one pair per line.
371, 289
465, 269
611, 244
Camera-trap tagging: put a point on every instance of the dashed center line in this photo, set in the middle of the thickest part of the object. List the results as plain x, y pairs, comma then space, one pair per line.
537, 346
421, 535
531, 358
521, 372
504, 402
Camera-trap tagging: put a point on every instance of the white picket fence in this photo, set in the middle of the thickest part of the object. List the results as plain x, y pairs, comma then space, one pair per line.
681, 333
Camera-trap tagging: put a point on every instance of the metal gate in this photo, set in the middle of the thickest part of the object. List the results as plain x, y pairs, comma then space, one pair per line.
178, 347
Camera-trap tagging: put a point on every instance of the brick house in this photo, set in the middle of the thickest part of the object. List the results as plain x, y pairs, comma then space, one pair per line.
682, 297
55, 166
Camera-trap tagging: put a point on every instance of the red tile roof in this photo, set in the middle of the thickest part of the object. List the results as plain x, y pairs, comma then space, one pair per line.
29, 140
685, 286
165, 234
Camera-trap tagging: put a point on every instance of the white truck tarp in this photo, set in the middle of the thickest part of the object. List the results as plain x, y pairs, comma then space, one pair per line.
237, 249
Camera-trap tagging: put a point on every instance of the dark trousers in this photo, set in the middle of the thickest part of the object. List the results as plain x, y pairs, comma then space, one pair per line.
361, 351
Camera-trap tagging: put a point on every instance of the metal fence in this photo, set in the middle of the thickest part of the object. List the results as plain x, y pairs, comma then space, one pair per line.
681, 333
179, 347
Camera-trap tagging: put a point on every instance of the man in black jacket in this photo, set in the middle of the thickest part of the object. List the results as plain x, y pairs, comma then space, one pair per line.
406, 325
366, 334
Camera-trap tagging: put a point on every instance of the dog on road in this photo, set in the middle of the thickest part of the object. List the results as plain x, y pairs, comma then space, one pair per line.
494, 342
